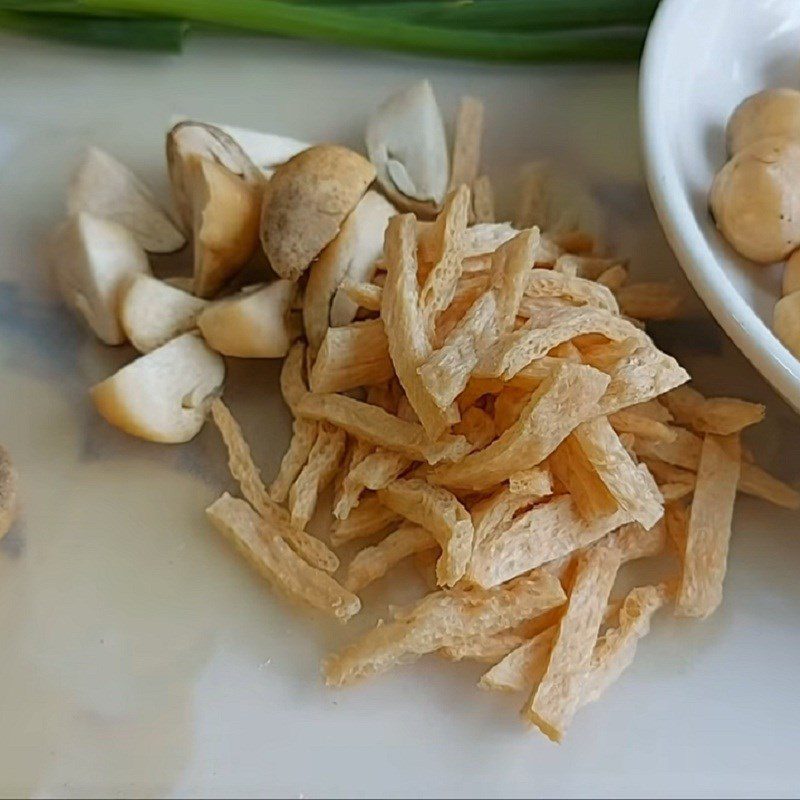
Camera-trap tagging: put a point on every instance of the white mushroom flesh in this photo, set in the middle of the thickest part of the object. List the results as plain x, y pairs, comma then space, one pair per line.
772, 112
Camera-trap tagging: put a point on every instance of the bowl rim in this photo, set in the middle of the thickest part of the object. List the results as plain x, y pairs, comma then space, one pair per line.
747, 330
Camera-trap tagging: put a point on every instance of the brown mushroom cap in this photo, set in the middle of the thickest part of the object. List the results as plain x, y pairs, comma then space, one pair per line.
772, 112
755, 199
306, 202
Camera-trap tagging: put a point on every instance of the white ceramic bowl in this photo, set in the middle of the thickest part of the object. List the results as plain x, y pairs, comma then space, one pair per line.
701, 59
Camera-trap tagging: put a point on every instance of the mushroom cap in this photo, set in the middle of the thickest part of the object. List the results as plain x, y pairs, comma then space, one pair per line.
786, 321
106, 188
163, 396
307, 200
771, 112
153, 312
253, 323
8, 492
93, 260
755, 199
190, 139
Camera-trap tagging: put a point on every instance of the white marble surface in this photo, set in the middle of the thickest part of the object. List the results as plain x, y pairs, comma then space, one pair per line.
140, 656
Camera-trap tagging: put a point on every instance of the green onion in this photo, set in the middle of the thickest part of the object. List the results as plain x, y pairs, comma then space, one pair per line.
164, 35
348, 27
503, 14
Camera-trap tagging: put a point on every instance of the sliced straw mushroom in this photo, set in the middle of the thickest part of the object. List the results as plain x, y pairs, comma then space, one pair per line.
163, 396
153, 312
407, 144
350, 256
226, 211
104, 187
183, 282
255, 323
307, 200
189, 140
93, 260
755, 199
8, 492
772, 112
786, 321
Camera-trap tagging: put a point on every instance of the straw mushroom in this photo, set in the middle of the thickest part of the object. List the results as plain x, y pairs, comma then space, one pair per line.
755, 199
105, 188
189, 140
351, 256
255, 323
8, 492
307, 200
153, 312
226, 211
406, 142
772, 112
93, 260
163, 396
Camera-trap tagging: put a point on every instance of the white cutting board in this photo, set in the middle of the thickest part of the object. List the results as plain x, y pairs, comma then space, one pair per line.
140, 656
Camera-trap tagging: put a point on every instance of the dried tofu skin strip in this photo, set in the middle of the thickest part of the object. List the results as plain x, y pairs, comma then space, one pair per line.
684, 452
548, 283
566, 398
304, 434
512, 263
247, 475
364, 295
351, 356
724, 416
368, 518
347, 491
630, 484
629, 421
323, 463
258, 541
641, 376
442, 514
477, 426
483, 200
441, 620
375, 471
614, 277
470, 288
406, 324
496, 512
489, 649
573, 469
439, 286
616, 648
365, 421
524, 667
535, 482
467, 143
293, 383
546, 532
706, 557
374, 562
655, 301
557, 697
514, 351
446, 371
